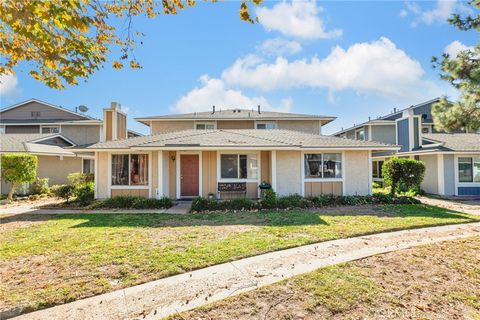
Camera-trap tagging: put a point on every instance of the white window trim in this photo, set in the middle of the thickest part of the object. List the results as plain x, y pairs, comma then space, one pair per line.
302, 168
205, 123
265, 123
457, 178
51, 126
200, 173
359, 130
134, 187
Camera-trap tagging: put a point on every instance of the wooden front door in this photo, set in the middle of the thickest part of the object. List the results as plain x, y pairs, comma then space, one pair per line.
189, 175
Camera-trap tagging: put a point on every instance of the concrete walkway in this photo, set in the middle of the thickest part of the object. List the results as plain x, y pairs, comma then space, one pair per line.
168, 296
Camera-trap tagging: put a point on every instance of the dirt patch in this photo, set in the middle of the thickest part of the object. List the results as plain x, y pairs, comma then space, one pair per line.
25, 202
440, 281
471, 206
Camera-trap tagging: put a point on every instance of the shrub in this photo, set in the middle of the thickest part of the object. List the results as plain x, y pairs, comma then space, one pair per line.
129, 202
269, 200
34, 197
402, 174
40, 186
18, 168
78, 179
292, 201
65, 191
85, 193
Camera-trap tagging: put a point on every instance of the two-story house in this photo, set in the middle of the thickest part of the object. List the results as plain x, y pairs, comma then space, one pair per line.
452, 160
230, 153
50, 131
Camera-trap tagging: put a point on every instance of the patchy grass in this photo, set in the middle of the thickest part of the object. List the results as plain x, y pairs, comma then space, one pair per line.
439, 281
52, 259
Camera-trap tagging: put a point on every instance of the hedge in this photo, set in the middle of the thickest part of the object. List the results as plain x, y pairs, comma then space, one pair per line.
201, 204
129, 202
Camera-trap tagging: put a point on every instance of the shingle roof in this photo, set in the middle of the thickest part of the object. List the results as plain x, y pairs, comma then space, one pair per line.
283, 139
237, 114
461, 142
25, 143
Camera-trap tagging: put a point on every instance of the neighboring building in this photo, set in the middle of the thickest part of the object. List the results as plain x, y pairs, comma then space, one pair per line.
228, 163
236, 119
445, 155
50, 131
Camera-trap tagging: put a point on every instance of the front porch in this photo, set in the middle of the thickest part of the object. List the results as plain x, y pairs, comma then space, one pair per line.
226, 174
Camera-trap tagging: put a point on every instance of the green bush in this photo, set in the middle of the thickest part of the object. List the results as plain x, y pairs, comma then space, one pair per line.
269, 199
85, 194
79, 179
40, 186
129, 202
292, 201
65, 191
402, 174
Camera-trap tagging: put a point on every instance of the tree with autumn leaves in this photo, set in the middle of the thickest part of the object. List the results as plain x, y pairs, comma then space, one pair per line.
64, 41
463, 72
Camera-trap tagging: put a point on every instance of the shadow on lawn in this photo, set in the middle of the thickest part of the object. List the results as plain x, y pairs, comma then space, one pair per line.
266, 218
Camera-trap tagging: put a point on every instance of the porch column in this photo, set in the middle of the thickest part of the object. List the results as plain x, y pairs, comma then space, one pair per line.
273, 166
159, 191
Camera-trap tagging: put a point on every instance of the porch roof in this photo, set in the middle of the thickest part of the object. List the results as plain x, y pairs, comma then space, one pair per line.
32, 143
223, 139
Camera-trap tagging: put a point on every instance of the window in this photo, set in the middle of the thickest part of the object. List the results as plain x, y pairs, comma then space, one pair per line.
2, 129
35, 114
238, 166
129, 169
377, 169
52, 129
360, 134
425, 129
204, 126
266, 125
88, 166
323, 166
469, 169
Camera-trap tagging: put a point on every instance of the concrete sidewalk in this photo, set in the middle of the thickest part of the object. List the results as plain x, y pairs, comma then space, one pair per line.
168, 296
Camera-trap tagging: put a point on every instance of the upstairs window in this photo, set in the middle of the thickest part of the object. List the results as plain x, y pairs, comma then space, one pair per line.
51, 129
204, 126
323, 166
469, 169
129, 169
238, 166
360, 134
266, 125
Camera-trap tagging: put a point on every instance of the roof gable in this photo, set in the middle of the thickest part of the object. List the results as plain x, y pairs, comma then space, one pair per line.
37, 110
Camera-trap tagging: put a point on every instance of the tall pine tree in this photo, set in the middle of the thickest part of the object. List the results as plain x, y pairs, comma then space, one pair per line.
463, 72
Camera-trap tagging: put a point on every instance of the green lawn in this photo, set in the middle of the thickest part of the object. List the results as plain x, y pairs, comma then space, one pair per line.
53, 259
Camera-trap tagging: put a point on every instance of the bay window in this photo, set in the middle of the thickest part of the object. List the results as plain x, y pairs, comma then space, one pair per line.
323, 166
238, 166
129, 169
469, 169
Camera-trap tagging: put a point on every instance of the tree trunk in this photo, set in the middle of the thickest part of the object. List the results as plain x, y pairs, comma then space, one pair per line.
12, 191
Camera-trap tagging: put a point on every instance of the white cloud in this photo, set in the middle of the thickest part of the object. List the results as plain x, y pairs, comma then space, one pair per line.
442, 10
214, 92
8, 84
454, 48
279, 47
371, 67
297, 19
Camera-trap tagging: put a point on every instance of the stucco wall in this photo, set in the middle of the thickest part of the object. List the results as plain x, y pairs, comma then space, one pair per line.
289, 175
307, 126
430, 181
57, 170
82, 134
102, 175
357, 173
170, 126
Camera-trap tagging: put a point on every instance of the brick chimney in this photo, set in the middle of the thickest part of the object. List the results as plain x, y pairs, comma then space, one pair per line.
114, 123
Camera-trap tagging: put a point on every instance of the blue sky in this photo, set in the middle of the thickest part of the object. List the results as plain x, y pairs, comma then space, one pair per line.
342, 58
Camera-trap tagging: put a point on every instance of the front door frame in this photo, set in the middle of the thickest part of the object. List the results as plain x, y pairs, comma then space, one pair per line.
178, 170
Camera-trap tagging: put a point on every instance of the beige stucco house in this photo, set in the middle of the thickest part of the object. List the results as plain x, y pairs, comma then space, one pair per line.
229, 153
50, 132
